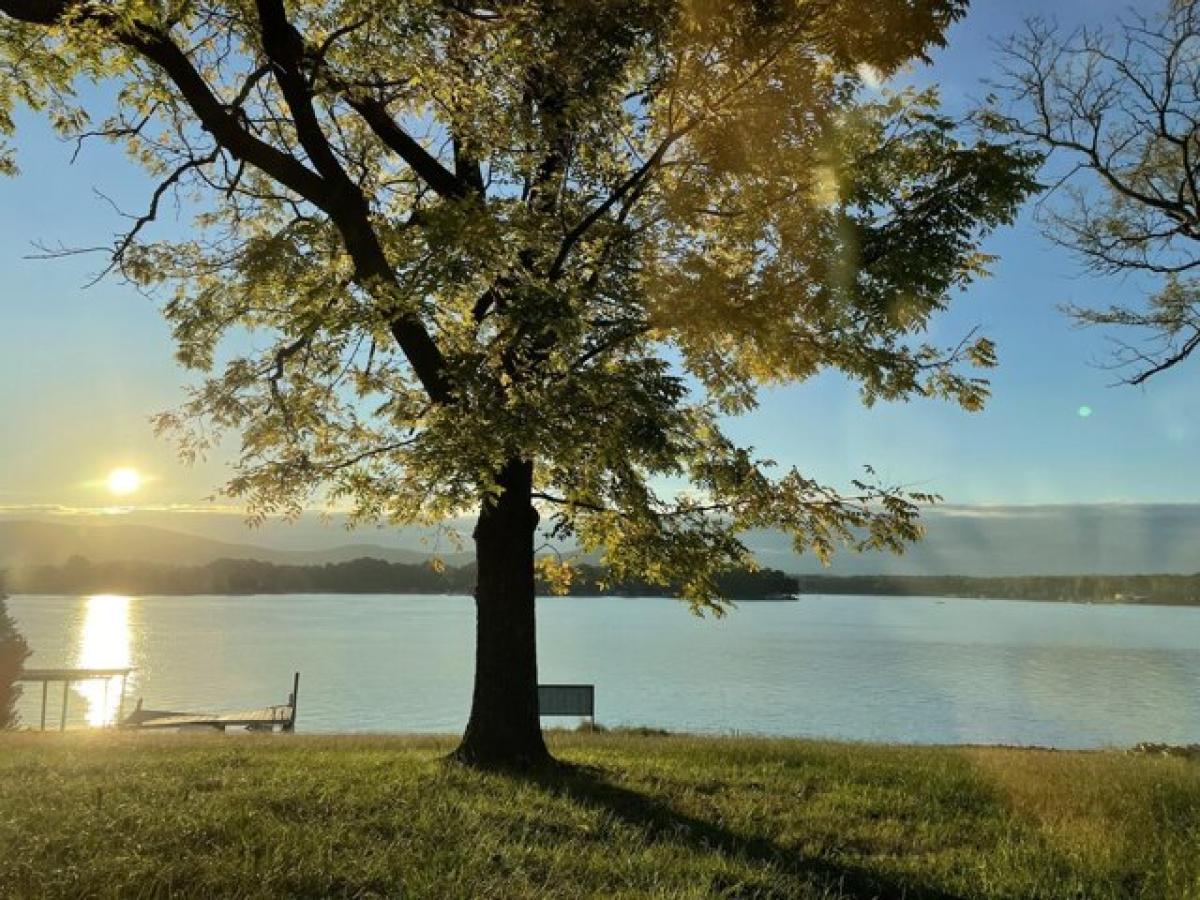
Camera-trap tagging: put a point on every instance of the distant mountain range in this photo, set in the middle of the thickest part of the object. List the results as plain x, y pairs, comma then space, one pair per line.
50, 543
1098, 539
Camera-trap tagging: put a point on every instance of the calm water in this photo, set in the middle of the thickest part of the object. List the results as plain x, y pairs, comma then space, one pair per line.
870, 668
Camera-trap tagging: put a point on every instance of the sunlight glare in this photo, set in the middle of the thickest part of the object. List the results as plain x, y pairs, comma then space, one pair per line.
870, 76
104, 643
124, 481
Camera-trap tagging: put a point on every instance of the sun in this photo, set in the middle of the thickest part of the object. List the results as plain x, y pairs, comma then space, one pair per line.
124, 481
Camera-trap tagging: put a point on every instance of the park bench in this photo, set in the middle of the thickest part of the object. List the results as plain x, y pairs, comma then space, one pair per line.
568, 700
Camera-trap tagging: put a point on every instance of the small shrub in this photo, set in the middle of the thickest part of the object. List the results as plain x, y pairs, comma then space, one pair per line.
642, 731
13, 653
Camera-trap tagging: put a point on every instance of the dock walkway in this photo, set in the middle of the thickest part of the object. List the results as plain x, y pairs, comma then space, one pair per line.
271, 717
282, 716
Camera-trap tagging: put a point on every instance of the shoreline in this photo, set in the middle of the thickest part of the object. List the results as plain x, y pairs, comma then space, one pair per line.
799, 598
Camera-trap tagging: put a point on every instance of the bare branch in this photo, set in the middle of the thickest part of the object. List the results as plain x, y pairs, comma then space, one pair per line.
1124, 107
151, 214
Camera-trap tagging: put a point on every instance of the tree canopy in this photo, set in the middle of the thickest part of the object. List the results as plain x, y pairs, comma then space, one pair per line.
573, 233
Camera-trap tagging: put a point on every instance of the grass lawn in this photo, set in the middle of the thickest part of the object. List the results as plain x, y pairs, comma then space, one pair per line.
139, 815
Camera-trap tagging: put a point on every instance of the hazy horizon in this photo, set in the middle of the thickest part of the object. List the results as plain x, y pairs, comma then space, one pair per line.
1047, 539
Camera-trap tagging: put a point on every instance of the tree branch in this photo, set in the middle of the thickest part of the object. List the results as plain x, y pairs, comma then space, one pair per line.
331, 190
152, 212
441, 180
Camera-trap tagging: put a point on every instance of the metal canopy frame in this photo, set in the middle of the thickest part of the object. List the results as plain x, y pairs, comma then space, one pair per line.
69, 677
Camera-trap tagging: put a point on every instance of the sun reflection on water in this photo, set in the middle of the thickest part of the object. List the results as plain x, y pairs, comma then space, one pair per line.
104, 643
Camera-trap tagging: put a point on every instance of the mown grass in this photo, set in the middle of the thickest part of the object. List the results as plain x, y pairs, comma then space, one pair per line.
135, 815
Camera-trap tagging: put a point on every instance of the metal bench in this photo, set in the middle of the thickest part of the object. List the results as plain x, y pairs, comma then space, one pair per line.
568, 700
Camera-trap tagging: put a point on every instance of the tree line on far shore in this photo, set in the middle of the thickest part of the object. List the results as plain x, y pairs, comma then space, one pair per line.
1173, 590
374, 576
360, 576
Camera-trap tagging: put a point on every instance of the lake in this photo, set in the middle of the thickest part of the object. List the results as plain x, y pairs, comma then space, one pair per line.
862, 668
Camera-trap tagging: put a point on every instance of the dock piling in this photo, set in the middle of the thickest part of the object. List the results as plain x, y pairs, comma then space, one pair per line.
293, 700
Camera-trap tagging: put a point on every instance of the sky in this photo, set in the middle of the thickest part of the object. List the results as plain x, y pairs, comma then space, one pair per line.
83, 368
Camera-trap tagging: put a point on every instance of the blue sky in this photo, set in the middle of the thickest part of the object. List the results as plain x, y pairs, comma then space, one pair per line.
1030, 445
84, 369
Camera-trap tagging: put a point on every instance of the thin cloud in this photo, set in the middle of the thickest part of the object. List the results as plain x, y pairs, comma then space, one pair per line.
1012, 511
54, 509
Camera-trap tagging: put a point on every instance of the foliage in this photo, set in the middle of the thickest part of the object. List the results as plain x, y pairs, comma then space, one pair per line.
568, 233
1121, 110
13, 653
676, 816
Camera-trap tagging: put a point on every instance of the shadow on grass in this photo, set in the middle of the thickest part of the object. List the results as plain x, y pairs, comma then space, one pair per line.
588, 786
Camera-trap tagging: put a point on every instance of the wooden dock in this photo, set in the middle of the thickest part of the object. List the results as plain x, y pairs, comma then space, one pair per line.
269, 718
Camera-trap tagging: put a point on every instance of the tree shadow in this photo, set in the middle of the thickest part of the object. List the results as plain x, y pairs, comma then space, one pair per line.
590, 787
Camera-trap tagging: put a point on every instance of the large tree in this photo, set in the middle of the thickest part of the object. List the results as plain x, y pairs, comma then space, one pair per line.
1118, 110
521, 257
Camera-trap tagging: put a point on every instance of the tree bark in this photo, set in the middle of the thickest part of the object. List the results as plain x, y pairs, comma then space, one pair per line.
504, 730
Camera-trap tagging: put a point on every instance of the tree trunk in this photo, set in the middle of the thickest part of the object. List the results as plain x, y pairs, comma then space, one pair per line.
504, 729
